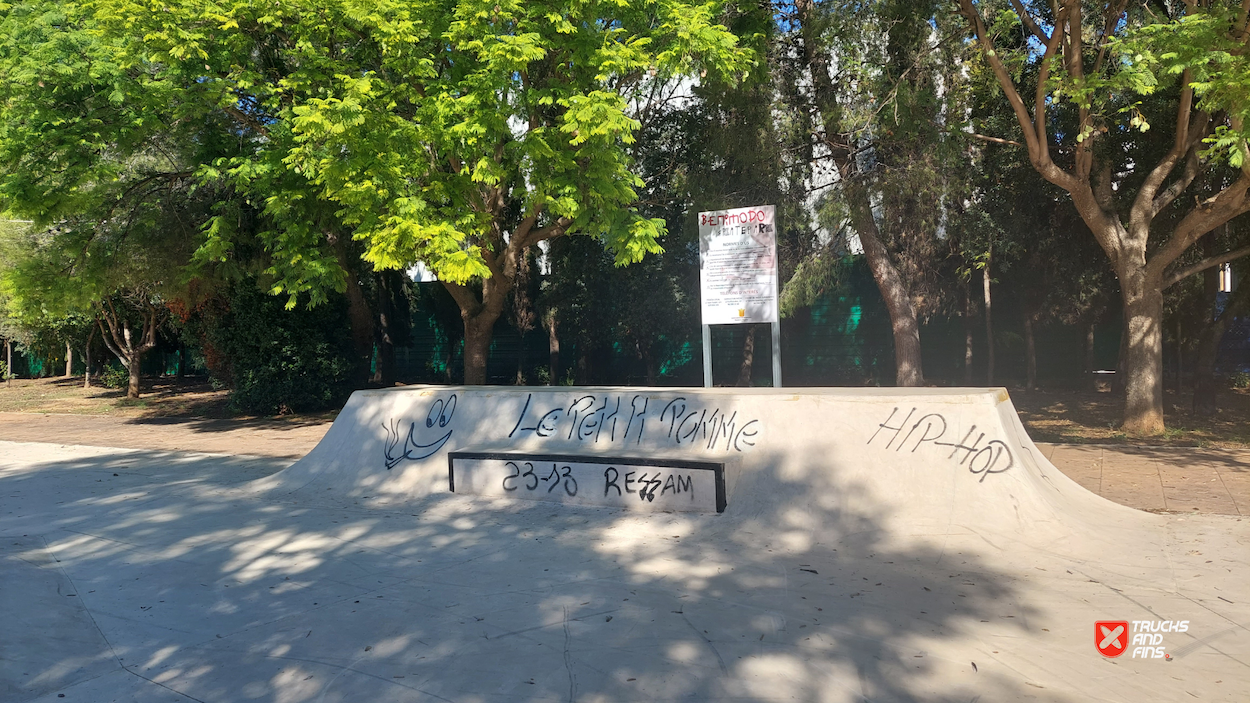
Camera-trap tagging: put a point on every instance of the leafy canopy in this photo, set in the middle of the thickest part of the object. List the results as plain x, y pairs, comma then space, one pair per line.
427, 129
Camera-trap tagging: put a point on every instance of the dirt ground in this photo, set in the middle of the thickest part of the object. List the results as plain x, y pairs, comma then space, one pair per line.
1081, 417
162, 397
175, 414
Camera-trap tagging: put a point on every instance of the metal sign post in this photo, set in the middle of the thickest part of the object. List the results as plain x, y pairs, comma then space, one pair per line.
707, 356
738, 276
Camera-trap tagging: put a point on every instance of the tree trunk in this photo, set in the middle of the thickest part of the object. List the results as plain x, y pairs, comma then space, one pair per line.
520, 362
989, 326
1206, 386
967, 334
1139, 266
553, 351
8, 360
480, 315
128, 348
1030, 353
359, 316
390, 284
582, 375
134, 366
479, 326
69, 359
477, 338
86, 375
653, 373
1091, 381
909, 370
1143, 357
1180, 358
748, 358
907, 358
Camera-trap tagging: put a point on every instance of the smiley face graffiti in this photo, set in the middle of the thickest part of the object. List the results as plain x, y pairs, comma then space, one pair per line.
440, 414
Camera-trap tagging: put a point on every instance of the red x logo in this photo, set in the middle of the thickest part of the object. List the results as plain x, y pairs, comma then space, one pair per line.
1111, 637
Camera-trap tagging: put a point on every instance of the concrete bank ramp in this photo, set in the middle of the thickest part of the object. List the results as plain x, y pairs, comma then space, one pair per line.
880, 498
605, 545
914, 459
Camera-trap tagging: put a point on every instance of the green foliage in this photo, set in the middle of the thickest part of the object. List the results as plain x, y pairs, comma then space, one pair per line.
424, 129
1239, 379
814, 277
114, 376
883, 141
94, 154
1149, 55
278, 360
1205, 44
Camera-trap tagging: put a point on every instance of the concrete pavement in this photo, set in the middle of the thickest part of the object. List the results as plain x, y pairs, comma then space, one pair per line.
1159, 479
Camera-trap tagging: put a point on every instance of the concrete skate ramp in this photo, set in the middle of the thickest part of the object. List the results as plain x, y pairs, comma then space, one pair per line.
874, 545
916, 458
946, 478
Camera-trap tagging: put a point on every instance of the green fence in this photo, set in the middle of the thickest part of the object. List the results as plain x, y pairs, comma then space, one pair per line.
843, 339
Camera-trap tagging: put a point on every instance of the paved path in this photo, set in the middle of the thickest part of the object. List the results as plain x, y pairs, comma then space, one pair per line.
1172, 479
1148, 478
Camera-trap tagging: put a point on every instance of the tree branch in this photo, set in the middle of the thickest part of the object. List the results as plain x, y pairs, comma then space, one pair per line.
1027, 20
1179, 185
994, 140
1242, 26
1205, 264
149, 333
246, 119
1039, 95
1205, 216
1143, 204
1109, 23
464, 297
1039, 153
1237, 124
1075, 60
553, 230
110, 338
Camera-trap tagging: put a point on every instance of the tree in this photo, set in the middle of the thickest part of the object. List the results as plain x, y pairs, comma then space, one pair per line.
453, 134
1202, 313
725, 148
117, 275
90, 157
876, 87
1095, 80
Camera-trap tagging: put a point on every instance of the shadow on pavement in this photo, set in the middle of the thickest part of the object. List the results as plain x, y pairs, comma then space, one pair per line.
174, 577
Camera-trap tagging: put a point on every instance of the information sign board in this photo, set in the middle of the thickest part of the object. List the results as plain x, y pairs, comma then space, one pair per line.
738, 265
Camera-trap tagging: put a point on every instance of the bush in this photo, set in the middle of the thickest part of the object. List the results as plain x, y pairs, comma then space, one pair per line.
278, 360
115, 376
1239, 379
